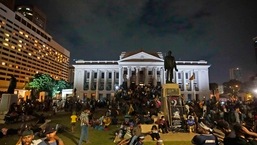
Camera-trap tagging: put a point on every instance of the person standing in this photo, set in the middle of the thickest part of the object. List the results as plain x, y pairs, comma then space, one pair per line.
84, 123
73, 121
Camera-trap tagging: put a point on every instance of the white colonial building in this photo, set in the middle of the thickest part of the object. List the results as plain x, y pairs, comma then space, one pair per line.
102, 78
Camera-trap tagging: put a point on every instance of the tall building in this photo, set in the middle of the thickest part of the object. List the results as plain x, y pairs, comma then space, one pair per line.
26, 49
235, 74
101, 79
8, 3
33, 14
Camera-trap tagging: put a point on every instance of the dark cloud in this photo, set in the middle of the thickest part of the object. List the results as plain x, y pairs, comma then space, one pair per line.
218, 31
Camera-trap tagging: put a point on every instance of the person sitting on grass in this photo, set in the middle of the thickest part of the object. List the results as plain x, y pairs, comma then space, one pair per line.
140, 140
127, 136
191, 123
163, 125
154, 133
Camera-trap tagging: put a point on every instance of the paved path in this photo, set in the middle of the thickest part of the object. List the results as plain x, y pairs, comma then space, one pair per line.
174, 137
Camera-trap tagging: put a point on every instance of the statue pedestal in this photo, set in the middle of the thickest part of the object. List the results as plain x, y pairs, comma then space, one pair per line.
168, 91
6, 101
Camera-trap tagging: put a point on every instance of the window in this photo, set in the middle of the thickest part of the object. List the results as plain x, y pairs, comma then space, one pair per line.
109, 75
117, 75
102, 75
179, 75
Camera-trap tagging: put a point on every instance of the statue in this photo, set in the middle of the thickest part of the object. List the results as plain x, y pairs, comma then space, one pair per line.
169, 65
12, 85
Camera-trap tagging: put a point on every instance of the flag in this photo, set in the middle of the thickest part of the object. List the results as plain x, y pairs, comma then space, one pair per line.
192, 77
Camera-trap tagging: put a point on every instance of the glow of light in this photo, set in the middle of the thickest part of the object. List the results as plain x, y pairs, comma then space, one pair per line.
6, 44
255, 91
3, 63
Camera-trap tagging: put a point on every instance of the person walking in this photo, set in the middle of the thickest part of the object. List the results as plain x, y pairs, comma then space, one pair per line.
84, 123
73, 121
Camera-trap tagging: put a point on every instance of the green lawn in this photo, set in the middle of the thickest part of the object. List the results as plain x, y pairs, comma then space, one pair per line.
96, 137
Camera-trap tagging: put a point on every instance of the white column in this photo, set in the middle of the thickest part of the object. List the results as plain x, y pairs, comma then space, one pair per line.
137, 75
146, 76
162, 71
90, 79
155, 76
184, 81
97, 85
113, 80
105, 79
120, 75
128, 76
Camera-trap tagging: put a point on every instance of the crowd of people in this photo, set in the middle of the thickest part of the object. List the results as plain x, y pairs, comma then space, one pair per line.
216, 122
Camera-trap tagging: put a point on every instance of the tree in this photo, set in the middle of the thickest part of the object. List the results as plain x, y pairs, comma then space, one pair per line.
59, 85
232, 87
44, 82
41, 82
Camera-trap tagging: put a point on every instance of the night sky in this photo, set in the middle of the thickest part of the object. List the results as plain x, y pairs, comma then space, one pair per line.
218, 31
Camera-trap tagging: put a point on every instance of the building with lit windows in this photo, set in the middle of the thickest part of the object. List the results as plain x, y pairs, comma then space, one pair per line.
32, 13
26, 49
101, 79
235, 74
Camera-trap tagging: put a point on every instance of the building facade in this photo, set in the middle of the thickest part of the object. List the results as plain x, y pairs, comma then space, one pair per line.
33, 14
101, 79
26, 49
235, 74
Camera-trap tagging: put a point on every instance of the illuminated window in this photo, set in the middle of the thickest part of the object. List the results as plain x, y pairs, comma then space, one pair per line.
20, 41
13, 47
17, 66
38, 57
19, 49
19, 45
6, 44
29, 54
6, 34
21, 32
3, 63
6, 39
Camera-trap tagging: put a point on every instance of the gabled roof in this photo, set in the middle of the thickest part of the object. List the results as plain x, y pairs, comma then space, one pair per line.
141, 56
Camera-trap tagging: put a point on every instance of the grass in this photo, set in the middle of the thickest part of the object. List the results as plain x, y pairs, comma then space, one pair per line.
96, 137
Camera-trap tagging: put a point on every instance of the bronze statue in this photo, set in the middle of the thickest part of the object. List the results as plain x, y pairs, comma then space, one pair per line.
12, 85
169, 65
